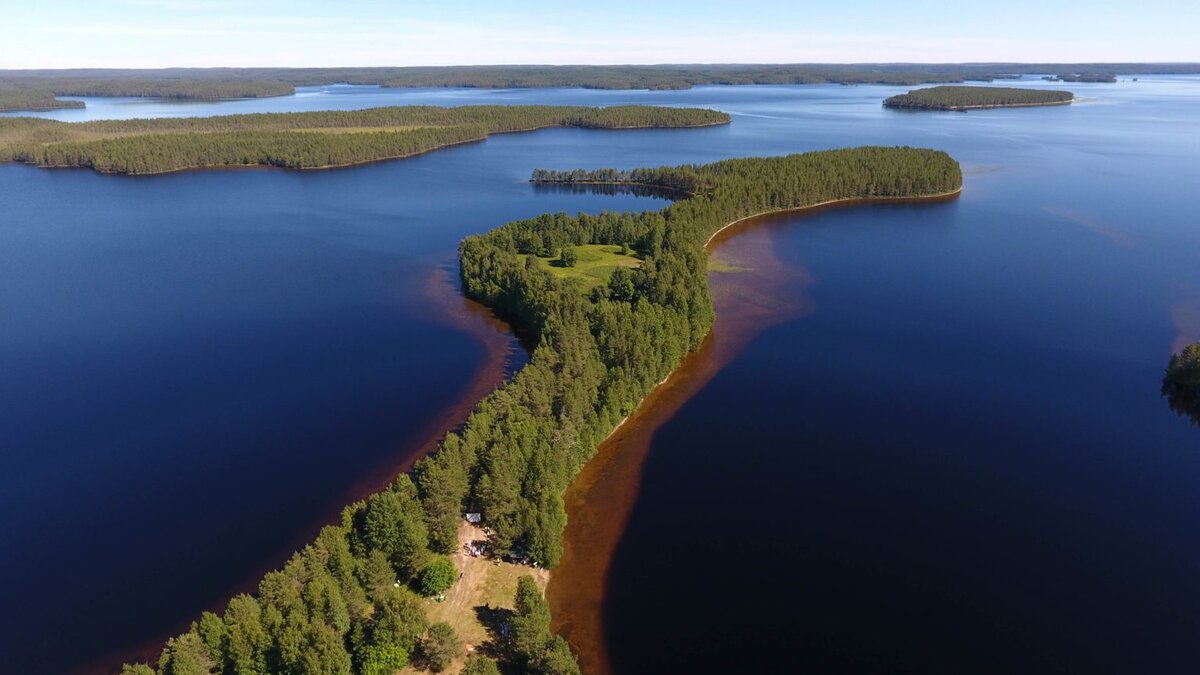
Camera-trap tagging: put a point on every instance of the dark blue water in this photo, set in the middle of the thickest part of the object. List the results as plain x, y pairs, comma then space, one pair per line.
958, 461
199, 369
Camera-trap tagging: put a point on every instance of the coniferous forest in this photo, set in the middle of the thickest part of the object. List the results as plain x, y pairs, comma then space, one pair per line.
964, 98
343, 604
307, 140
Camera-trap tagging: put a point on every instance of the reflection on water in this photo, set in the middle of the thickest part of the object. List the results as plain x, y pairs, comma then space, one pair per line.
605, 189
1185, 401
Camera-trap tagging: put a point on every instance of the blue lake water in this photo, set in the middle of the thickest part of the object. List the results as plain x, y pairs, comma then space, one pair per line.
956, 460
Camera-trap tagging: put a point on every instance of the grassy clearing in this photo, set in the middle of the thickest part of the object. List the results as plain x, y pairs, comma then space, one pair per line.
484, 594
594, 265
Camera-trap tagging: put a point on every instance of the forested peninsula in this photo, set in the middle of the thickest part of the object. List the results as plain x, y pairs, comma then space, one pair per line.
307, 140
972, 98
32, 99
346, 603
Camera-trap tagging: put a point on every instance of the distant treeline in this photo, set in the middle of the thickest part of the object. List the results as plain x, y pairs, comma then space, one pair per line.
963, 98
335, 607
219, 83
303, 140
195, 84
32, 99
1181, 382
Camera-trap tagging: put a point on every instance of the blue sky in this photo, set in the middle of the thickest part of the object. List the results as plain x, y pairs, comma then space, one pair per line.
161, 33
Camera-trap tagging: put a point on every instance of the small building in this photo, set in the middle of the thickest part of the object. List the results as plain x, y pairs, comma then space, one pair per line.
474, 518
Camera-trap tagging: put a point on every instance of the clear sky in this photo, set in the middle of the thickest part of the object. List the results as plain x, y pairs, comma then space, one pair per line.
161, 33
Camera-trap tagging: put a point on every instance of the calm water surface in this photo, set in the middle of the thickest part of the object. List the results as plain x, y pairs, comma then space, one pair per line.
957, 459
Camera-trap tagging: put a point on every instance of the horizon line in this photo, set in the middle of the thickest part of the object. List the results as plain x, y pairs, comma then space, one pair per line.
638, 65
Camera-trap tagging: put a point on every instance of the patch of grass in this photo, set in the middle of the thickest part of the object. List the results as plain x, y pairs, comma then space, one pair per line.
594, 264
485, 591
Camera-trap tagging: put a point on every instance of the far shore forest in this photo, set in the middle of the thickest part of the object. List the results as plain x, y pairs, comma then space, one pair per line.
37, 89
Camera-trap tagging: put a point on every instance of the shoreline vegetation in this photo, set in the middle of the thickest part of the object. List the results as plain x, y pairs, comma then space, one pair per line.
1181, 383
343, 603
213, 84
962, 99
304, 140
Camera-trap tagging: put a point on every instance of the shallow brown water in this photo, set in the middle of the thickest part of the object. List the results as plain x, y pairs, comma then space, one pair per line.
746, 284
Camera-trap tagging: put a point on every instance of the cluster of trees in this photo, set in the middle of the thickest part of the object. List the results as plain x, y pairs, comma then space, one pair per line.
962, 98
22, 98
335, 138
1181, 382
344, 604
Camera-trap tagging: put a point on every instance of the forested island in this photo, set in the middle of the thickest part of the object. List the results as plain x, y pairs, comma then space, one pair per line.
306, 140
972, 98
1181, 382
349, 601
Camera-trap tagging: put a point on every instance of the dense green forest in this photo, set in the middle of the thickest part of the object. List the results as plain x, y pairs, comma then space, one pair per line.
20, 98
335, 607
303, 140
963, 98
1181, 382
221, 83
196, 84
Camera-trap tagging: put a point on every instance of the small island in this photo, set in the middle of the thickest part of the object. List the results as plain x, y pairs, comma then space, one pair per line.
1181, 382
962, 99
